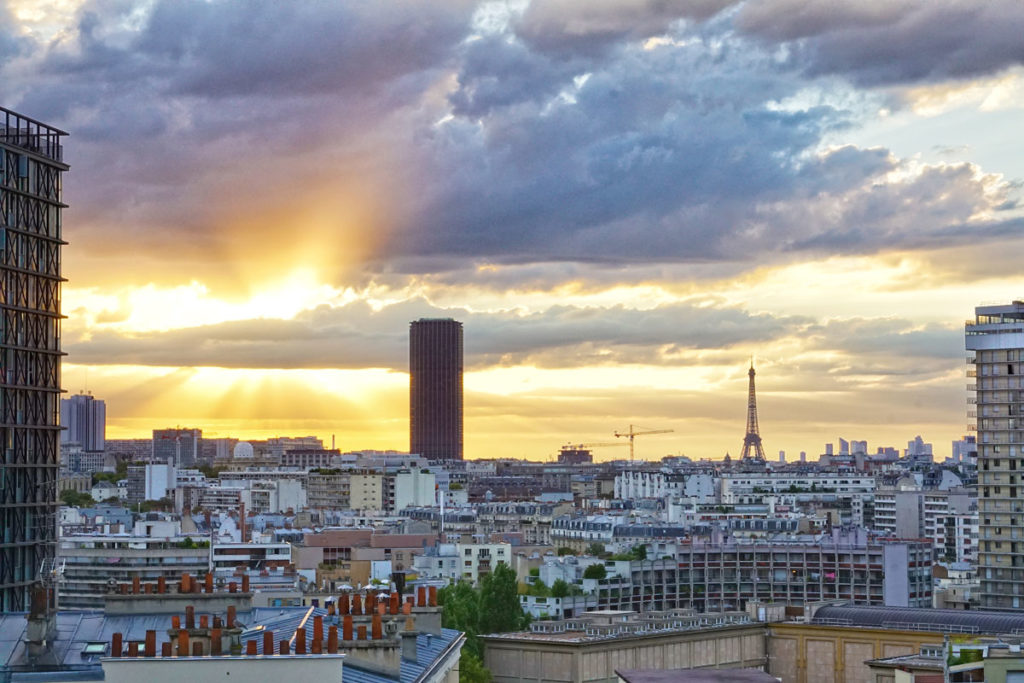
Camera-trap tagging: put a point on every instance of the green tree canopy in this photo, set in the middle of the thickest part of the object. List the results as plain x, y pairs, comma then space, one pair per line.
73, 498
596, 549
595, 571
492, 608
565, 550
559, 589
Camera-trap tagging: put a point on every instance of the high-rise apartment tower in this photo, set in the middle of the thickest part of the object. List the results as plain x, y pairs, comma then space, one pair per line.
435, 388
996, 338
31, 164
84, 420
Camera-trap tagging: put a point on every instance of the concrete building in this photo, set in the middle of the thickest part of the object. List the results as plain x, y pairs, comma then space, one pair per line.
31, 166
180, 447
913, 513
94, 564
996, 340
84, 420
589, 649
435, 389
413, 487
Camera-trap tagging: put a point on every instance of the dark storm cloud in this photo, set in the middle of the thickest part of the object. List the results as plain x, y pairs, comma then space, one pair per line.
563, 138
355, 336
892, 42
563, 27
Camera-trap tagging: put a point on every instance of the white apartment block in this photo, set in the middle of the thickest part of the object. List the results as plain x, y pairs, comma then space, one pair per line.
639, 484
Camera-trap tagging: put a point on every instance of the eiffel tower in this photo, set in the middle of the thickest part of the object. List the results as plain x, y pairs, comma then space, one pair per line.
752, 441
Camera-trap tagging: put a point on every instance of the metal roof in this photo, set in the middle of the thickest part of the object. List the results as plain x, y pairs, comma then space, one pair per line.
921, 619
77, 629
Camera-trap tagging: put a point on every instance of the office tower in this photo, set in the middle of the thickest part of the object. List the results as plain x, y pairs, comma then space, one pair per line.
996, 338
964, 448
84, 420
435, 389
782, 457
179, 447
844, 447
30, 275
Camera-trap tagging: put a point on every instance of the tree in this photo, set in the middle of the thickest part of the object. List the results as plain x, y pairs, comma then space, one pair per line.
564, 550
595, 571
464, 608
559, 589
500, 611
74, 499
471, 669
596, 549
539, 589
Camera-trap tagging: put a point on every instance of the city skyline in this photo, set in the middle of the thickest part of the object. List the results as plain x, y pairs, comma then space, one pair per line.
621, 204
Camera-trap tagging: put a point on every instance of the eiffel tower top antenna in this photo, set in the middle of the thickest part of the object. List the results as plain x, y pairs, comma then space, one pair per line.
752, 440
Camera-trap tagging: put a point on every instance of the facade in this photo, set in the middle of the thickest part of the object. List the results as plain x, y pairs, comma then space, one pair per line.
590, 648
435, 389
996, 339
94, 563
180, 447
30, 276
84, 420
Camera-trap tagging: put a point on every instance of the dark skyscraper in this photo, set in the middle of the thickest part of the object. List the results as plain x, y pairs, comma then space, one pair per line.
30, 240
435, 388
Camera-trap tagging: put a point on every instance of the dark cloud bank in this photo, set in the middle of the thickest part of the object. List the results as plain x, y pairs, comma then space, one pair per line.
566, 137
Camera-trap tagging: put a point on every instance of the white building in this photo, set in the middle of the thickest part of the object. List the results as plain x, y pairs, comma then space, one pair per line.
414, 487
640, 484
478, 559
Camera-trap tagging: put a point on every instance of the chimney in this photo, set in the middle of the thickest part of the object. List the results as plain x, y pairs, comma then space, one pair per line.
183, 643
432, 596
318, 628
150, 644
346, 626
394, 603
190, 617
232, 587
241, 522
133, 649
136, 585
421, 596
284, 647
197, 649
186, 583
216, 642
343, 606
161, 585
204, 621
116, 645
378, 631
245, 583
231, 616
361, 632
357, 604
268, 642
209, 582
300, 641
165, 649
332, 640
250, 648
408, 645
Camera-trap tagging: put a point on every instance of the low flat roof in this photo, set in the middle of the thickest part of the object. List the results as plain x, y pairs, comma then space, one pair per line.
696, 676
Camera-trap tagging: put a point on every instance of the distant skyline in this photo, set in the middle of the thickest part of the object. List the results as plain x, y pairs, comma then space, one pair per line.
621, 200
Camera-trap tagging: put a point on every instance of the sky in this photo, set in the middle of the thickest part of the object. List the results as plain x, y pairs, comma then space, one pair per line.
624, 201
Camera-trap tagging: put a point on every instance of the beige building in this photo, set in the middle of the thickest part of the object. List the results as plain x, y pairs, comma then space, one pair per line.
590, 649
366, 491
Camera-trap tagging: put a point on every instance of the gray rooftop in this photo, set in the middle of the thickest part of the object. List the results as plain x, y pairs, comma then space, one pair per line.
921, 619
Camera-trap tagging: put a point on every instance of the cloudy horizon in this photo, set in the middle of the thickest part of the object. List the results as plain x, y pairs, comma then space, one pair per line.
623, 201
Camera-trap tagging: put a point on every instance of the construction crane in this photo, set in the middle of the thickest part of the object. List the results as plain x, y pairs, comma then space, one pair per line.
637, 430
